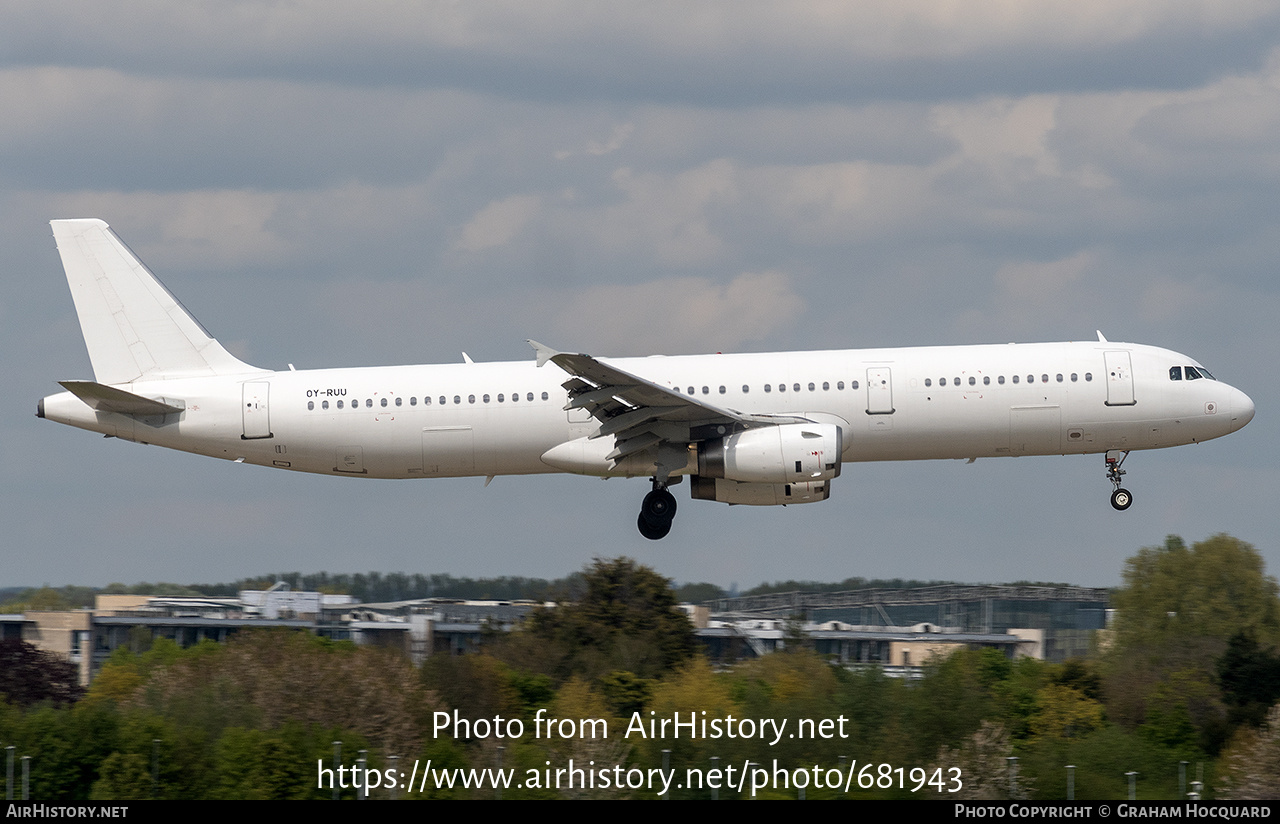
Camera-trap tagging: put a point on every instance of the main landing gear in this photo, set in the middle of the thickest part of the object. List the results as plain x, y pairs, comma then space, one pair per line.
1121, 499
657, 512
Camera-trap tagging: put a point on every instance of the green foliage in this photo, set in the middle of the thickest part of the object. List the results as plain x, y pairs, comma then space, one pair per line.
624, 619
625, 692
49, 599
279, 764
698, 593
123, 777
1212, 590
1191, 658
1176, 614
1250, 679
477, 686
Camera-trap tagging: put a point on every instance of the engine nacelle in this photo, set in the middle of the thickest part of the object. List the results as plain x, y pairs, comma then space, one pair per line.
733, 492
787, 454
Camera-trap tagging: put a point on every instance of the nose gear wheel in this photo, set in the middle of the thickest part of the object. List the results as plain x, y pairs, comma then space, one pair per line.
1121, 498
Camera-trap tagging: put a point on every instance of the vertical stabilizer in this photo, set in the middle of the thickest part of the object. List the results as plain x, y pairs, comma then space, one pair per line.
133, 327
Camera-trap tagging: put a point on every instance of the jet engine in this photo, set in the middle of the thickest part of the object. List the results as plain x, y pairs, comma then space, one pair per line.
786, 454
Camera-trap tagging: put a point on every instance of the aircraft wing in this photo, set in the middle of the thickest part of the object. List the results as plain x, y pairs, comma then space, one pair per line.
641, 414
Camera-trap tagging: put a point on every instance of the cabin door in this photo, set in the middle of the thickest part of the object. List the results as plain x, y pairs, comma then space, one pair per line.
1119, 379
256, 417
879, 391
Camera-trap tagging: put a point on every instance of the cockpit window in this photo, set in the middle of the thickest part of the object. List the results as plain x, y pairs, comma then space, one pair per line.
1192, 374
1175, 373
1204, 373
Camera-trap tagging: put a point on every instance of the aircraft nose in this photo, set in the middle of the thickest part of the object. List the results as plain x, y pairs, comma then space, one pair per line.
1241, 410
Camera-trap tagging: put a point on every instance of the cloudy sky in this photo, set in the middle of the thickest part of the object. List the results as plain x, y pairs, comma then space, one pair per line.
340, 184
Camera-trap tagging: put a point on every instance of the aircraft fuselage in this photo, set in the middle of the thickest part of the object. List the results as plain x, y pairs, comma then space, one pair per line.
480, 419
760, 429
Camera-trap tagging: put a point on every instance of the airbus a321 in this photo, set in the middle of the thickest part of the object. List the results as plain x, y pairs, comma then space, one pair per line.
759, 429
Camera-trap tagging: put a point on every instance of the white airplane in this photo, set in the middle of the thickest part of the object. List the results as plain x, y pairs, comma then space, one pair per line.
759, 429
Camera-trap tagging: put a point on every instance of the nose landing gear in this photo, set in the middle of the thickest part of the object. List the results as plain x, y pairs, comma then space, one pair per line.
657, 512
1121, 498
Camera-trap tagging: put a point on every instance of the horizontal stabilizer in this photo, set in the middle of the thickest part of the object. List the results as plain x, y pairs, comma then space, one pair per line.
109, 399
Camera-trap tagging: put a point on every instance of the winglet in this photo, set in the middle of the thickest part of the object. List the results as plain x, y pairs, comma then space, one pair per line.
1101, 339
544, 352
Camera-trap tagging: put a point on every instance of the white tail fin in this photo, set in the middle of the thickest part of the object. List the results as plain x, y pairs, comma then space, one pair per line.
133, 327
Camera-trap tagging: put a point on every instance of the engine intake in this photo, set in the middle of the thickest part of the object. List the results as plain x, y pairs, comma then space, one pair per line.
786, 454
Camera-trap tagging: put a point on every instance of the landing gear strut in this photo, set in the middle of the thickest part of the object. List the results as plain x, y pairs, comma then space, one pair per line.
657, 512
1121, 499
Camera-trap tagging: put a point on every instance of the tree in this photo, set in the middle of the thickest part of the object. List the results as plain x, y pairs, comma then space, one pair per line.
1250, 679
29, 675
625, 619
1176, 612
1211, 590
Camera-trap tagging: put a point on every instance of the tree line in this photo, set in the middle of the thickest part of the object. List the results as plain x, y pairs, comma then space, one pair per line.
1188, 672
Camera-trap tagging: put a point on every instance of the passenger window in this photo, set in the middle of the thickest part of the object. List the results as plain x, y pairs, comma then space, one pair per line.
485, 398
501, 397
928, 382
426, 401
986, 380
1044, 378
942, 381
745, 389
311, 405
384, 403
690, 390
515, 396
973, 381
1059, 377
782, 387
457, 399
368, 403
1031, 378
545, 396
706, 390
840, 385
1015, 378
1088, 376
768, 388
339, 405
399, 401
957, 381
721, 390
796, 387
1074, 377
529, 396
413, 400
471, 398
443, 400
853, 384
826, 387
325, 404
811, 387
1000, 380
